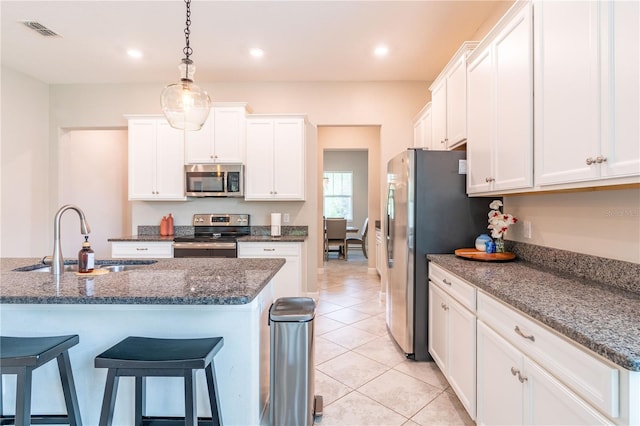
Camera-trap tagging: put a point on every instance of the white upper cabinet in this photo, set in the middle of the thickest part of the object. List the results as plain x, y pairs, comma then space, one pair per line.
587, 91
222, 139
449, 101
275, 166
422, 128
500, 106
156, 160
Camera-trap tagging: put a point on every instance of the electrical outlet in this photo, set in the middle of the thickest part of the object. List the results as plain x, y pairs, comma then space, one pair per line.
526, 231
285, 217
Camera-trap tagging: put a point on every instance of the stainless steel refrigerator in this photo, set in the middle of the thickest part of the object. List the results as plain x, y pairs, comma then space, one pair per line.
428, 211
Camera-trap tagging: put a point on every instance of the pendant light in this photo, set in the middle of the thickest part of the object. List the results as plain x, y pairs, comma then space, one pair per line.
185, 105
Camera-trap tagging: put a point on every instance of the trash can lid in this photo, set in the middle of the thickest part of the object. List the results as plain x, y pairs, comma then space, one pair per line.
292, 309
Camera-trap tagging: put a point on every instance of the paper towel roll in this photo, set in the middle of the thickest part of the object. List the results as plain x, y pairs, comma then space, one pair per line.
276, 219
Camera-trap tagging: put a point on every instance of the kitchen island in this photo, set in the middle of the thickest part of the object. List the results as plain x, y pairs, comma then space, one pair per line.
173, 298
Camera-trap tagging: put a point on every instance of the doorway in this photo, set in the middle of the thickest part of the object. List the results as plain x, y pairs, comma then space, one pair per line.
353, 140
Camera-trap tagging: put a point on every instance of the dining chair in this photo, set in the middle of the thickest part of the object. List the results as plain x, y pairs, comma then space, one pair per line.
335, 234
360, 240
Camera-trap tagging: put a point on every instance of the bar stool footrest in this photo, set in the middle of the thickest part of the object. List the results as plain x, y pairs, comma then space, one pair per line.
171, 421
39, 419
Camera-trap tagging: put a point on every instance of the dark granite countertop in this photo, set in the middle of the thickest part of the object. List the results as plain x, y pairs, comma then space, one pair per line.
600, 317
149, 237
268, 238
166, 282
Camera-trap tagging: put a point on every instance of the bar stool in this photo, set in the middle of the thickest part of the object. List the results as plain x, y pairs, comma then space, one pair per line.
22, 355
142, 357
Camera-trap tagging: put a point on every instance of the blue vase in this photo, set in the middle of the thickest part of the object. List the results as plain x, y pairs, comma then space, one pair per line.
481, 240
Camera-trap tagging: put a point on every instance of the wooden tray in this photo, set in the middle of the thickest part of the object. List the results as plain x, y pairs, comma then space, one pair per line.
96, 271
473, 254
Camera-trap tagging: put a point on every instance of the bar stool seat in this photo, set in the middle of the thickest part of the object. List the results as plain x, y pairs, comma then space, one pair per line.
142, 357
22, 355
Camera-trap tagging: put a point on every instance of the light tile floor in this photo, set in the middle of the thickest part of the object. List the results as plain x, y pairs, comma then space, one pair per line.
362, 375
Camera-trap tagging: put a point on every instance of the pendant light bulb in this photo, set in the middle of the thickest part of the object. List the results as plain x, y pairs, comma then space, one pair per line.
185, 105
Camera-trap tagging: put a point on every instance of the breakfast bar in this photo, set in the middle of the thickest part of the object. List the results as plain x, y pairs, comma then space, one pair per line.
171, 298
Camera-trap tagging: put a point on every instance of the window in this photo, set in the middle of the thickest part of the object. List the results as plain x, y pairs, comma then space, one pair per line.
338, 194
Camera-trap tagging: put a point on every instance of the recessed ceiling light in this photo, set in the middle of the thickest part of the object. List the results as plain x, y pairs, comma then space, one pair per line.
256, 52
381, 50
134, 53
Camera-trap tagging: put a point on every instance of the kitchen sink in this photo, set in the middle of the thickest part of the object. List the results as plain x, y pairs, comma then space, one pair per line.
109, 265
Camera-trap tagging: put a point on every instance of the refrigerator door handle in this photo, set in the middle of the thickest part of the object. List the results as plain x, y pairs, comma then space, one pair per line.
390, 210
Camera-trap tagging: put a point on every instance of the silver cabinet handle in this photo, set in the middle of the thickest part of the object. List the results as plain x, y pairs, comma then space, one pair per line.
142, 248
600, 159
516, 372
489, 179
269, 249
444, 280
590, 161
520, 333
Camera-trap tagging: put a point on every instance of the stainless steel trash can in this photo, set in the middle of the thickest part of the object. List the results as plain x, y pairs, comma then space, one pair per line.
293, 402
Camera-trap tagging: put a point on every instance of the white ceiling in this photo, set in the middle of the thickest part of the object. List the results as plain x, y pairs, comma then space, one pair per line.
303, 40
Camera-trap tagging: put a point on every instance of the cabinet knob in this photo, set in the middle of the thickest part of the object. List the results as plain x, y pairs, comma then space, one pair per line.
444, 280
269, 249
520, 333
514, 371
444, 307
600, 159
142, 248
489, 179
590, 161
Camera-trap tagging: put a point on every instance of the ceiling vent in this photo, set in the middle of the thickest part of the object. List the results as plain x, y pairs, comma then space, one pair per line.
41, 29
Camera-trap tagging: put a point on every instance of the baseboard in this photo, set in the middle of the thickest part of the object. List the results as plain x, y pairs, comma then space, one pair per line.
313, 294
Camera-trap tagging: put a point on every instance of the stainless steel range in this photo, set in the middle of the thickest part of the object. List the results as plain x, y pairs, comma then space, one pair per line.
214, 235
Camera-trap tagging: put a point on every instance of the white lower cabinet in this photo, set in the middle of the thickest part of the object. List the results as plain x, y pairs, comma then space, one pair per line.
290, 280
141, 249
514, 390
452, 333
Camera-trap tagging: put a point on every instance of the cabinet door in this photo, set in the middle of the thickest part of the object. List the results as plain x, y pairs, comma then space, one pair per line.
462, 355
439, 116
621, 89
288, 281
438, 326
169, 167
481, 121
567, 90
199, 144
513, 77
259, 170
418, 133
229, 134
289, 159
142, 133
549, 402
499, 392
457, 103
426, 130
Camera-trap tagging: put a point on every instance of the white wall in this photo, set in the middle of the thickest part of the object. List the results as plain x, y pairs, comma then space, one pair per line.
26, 225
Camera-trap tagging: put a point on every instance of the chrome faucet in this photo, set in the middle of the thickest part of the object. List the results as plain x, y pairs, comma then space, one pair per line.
57, 261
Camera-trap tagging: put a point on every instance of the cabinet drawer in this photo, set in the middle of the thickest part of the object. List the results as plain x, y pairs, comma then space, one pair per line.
141, 249
268, 249
462, 291
593, 379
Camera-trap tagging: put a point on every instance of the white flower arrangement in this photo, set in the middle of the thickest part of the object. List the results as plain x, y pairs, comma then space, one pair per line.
499, 222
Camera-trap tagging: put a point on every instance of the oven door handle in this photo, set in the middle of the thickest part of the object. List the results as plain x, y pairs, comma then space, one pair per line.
197, 245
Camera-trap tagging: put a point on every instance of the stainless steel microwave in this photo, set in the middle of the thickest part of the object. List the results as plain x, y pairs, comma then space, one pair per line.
214, 180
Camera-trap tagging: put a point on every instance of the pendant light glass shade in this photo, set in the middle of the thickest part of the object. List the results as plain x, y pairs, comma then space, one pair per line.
185, 105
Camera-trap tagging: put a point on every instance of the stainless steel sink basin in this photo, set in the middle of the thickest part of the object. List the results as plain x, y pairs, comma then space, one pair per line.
120, 268
111, 267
